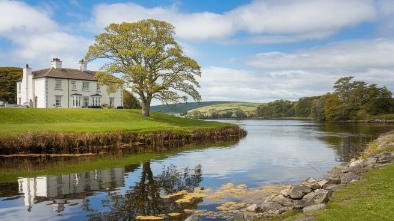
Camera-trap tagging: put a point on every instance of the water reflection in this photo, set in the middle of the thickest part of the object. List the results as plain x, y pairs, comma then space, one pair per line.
58, 189
155, 195
350, 139
273, 152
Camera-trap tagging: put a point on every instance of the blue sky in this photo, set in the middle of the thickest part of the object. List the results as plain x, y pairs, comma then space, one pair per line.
249, 50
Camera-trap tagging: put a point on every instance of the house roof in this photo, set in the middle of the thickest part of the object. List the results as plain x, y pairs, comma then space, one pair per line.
66, 73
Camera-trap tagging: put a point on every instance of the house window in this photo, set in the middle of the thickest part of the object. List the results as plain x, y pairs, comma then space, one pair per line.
73, 85
111, 101
58, 101
19, 87
97, 101
98, 87
19, 100
77, 101
85, 101
58, 84
85, 86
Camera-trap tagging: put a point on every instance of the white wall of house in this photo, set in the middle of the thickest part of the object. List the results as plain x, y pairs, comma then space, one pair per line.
49, 92
39, 93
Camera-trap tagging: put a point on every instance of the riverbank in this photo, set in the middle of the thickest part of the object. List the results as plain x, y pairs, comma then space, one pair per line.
79, 131
362, 189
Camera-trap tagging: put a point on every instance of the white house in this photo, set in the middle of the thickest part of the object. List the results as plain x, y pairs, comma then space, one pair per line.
64, 88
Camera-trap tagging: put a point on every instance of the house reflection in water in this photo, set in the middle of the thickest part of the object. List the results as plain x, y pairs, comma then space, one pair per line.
59, 189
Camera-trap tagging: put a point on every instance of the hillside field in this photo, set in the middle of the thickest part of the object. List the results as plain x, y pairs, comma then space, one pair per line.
15, 121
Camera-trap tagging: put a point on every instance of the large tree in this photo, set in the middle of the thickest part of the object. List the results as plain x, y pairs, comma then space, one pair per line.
8, 78
148, 60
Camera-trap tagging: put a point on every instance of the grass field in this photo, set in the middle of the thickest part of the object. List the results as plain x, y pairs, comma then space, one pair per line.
230, 106
15, 121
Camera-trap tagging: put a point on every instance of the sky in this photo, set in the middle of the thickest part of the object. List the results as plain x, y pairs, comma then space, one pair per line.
249, 50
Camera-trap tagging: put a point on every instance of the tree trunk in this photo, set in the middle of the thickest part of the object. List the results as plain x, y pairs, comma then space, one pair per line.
145, 109
145, 103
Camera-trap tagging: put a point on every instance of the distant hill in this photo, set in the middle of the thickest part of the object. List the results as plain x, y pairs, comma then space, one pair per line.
184, 107
211, 109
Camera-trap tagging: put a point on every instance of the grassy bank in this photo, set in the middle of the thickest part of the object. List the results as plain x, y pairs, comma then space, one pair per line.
15, 121
76, 131
371, 198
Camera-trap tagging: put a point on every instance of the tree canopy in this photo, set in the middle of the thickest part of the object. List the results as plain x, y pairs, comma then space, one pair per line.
8, 78
351, 100
149, 61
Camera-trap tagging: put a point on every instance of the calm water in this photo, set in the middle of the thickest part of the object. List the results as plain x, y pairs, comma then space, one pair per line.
274, 152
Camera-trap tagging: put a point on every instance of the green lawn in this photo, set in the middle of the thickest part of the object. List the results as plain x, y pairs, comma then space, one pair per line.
15, 121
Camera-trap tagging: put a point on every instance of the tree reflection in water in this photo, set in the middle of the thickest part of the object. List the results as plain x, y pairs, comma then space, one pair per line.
146, 198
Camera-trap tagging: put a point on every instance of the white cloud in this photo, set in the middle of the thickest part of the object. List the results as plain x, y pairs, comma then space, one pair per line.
218, 83
276, 21
17, 18
347, 55
36, 38
197, 26
41, 48
302, 16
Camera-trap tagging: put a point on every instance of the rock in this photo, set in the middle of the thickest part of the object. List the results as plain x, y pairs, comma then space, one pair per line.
310, 180
354, 163
312, 183
334, 180
285, 192
271, 207
314, 207
318, 197
333, 187
357, 169
251, 208
349, 177
369, 162
251, 216
298, 191
285, 202
384, 158
306, 218
323, 182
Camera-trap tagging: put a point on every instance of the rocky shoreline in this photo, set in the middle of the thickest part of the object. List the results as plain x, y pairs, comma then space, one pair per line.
313, 194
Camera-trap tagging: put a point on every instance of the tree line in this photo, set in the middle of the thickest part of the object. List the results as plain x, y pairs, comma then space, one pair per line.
351, 100
8, 78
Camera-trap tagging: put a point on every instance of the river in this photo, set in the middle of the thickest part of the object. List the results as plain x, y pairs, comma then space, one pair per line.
274, 152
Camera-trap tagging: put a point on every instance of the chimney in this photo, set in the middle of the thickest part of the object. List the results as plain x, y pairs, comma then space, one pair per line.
83, 65
56, 63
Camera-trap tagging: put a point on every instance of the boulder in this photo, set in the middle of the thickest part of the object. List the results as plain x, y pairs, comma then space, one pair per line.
270, 207
251, 208
384, 158
318, 197
312, 183
334, 179
284, 201
349, 177
355, 162
323, 182
298, 191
